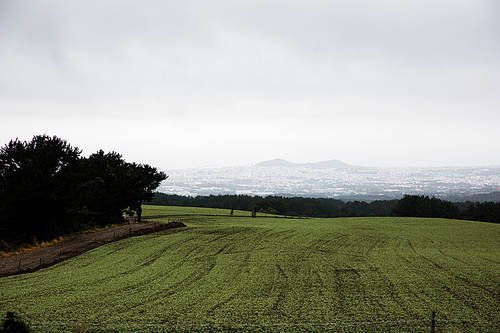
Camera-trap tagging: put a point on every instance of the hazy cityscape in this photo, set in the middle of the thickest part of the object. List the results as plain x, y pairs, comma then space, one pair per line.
280, 177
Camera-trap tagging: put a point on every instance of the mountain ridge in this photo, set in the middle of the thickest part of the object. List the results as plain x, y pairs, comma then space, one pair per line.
335, 164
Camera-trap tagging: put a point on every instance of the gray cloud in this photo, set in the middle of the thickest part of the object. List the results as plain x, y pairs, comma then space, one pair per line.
363, 67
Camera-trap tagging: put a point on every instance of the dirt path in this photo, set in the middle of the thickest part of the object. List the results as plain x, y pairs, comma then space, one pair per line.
48, 256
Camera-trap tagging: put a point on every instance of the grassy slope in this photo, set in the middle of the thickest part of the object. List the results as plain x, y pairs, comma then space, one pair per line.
267, 270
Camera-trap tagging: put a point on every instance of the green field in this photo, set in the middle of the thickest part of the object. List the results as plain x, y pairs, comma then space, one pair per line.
272, 270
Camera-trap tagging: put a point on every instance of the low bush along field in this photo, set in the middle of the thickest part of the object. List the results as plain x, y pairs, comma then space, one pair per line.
273, 270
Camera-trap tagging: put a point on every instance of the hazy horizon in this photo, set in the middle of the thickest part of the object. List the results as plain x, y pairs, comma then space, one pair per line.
350, 164
219, 83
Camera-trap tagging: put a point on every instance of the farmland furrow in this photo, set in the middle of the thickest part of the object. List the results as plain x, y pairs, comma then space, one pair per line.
243, 270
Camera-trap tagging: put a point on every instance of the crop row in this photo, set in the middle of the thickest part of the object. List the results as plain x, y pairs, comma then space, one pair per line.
227, 270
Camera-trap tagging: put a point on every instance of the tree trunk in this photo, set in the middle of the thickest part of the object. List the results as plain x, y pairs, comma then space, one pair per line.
139, 213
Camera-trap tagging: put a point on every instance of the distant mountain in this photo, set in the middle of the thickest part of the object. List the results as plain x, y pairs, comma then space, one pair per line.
334, 164
330, 164
278, 162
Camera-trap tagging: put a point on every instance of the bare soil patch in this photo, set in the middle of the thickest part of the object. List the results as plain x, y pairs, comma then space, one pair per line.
48, 256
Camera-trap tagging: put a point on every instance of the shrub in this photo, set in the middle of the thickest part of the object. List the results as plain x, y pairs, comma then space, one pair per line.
13, 324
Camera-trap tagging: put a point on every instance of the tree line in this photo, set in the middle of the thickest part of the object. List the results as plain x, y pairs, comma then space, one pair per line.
289, 206
47, 189
409, 205
424, 206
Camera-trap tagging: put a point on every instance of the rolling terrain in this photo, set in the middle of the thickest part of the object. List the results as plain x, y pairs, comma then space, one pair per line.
234, 269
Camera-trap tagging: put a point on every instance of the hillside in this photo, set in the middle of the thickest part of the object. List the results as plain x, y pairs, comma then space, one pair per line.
334, 164
223, 269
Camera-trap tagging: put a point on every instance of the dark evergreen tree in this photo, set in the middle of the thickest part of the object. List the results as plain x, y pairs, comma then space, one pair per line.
102, 191
423, 206
47, 190
36, 182
110, 187
483, 211
142, 180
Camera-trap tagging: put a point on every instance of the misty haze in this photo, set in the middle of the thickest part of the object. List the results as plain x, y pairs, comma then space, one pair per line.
335, 179
250, 166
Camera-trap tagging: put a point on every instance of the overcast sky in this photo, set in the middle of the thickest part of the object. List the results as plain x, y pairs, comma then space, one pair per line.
181, 84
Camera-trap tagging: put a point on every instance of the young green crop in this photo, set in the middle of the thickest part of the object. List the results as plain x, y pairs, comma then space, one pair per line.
153, 210
273, 270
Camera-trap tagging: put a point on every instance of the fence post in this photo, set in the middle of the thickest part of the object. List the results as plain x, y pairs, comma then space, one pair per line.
40, 261
19, 266
130, 230
59, 254
433, 322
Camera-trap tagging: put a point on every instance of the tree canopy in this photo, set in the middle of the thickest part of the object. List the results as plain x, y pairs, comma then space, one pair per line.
47, 189
409, 206
423, 206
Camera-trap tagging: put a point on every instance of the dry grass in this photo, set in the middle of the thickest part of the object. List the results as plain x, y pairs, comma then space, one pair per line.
24, 248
